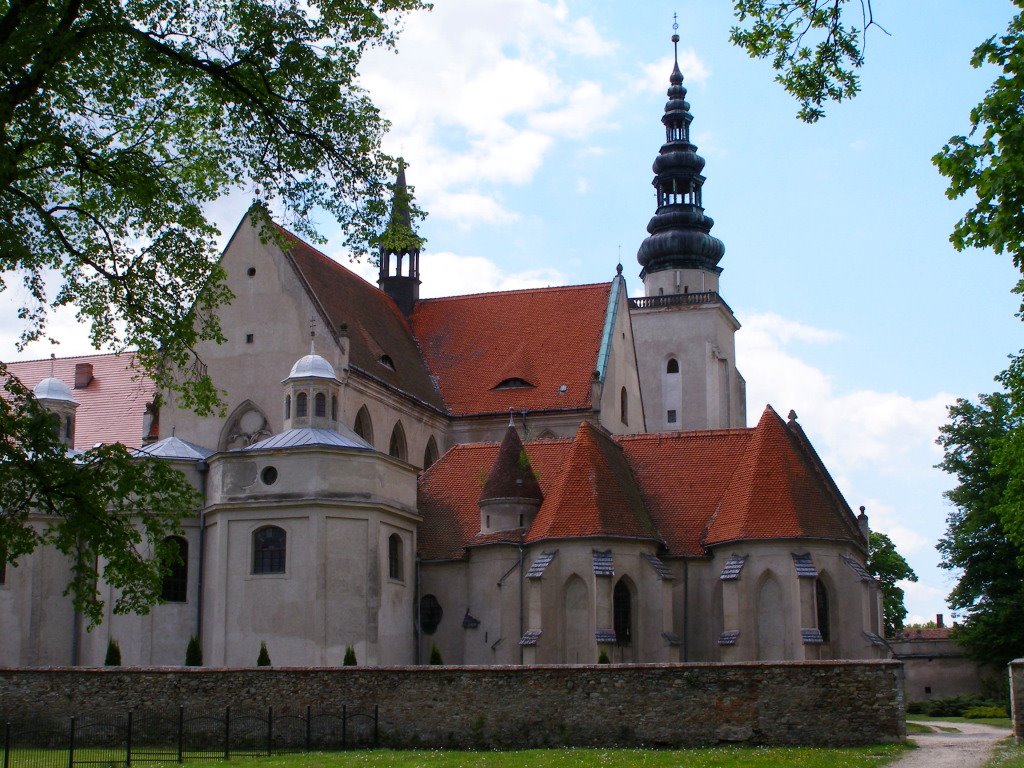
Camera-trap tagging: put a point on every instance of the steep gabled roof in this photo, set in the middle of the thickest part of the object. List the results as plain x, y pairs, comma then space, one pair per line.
777, 491
376, 327
596, 494
548, 337
113, 405
682, 477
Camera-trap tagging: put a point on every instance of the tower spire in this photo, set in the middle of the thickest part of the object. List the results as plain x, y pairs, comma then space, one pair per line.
679, 230
400, 241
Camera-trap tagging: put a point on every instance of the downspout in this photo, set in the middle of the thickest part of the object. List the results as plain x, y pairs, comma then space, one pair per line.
416, 612
522, 580
686, 610
203, 468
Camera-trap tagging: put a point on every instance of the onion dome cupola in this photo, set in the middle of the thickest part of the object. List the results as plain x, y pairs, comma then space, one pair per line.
511, 495
311, 394
400, 241
54, 395
680, 236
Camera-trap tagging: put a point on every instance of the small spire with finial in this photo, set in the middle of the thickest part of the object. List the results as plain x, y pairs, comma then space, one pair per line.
675, 35
511, 420
792, 415
53, 357
312, 333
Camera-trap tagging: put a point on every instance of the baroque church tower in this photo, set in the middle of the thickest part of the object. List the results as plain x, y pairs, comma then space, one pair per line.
401, 242
684, 330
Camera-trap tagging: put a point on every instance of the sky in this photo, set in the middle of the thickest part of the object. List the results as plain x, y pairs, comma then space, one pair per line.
530, 126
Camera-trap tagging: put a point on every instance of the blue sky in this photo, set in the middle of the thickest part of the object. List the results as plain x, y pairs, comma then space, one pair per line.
530, 127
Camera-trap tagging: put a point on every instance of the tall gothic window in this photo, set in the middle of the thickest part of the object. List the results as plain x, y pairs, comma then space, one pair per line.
821, 604
397, 447
430, 453
301, 405
624, 406
268, 550
175, 585
320, 405
395, 570
363, 426
622, 610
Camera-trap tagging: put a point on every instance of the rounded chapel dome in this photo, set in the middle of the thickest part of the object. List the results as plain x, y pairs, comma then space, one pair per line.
312, 366
52, 388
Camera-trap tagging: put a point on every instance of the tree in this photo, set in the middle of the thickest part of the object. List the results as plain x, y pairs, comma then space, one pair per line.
350, 657
119, 121
990, 590
888, 566
435, 655
263, 659
113, 657
193, 653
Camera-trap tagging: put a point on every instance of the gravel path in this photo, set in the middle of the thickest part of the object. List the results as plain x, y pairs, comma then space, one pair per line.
971, 747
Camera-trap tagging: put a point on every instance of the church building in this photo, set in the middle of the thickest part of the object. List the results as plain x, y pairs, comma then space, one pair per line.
547, 476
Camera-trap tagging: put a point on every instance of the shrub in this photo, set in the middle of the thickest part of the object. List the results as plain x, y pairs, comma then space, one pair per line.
975, 713
113, 657
603, 657
350, 657
435, 655
263, 660
193, 653
953, 706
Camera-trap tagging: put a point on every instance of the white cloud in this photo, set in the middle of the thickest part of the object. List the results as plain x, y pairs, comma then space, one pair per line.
471, 206
654, 76
451, 274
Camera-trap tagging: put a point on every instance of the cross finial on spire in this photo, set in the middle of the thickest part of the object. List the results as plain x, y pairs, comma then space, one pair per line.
511, 421
53, 357
675, 34
312, 333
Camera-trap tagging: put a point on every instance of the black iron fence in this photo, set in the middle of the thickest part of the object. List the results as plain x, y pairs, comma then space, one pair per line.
138, 737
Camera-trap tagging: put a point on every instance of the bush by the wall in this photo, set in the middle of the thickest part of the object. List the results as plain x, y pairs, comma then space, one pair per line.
263, 660
975, 713
193, 653
954, 706
435, 655
602, 658
350, 657
113, 657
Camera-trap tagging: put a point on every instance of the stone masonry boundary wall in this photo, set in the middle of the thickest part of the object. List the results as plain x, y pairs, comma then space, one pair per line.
797, 703
1017, 698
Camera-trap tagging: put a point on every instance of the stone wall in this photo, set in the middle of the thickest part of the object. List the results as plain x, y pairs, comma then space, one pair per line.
814, 703
1017, 698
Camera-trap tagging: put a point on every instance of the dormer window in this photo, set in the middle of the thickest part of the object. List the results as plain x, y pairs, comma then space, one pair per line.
513, 383
387, 362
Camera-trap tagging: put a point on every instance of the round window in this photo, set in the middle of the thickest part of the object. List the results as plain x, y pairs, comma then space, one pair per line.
269, 475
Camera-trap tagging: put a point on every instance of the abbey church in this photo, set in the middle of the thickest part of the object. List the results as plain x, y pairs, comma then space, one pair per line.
545, 476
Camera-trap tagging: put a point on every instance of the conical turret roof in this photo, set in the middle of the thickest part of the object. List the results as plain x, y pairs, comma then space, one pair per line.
511, 476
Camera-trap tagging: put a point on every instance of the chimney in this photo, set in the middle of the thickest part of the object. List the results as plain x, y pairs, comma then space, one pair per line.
938, 621
83, 375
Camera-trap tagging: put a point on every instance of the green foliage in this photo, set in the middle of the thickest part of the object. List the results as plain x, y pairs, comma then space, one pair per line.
193, 653
888, 566
978, 713
263, 660
100, 505
113, 657
119, 122
956, 706
811, 47
990, 591
350, 657
602, 657
435, 655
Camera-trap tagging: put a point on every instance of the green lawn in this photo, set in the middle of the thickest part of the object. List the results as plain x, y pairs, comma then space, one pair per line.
1008, 755
709, 757
999, 722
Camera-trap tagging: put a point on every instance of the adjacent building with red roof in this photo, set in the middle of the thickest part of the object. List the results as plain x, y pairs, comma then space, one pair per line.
549, 475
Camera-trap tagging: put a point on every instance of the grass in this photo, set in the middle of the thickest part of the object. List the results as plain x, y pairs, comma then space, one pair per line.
708, 757
1007, 755
919, 728
999, 722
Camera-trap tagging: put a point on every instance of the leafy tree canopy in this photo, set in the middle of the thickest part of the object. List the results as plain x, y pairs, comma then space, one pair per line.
119, 121
888, 566
990, 591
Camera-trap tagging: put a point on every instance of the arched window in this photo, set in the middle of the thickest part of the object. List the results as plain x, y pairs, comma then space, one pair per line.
268, 550
301, 405
821, 604
69, 428
430, 453
430, 614
363, 426
673, 366
175, 585
624, 406
334, 407
287, 406
320, 405
622, 613
395, 570
397, 446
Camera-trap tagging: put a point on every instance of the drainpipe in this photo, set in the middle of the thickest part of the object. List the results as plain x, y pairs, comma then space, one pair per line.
522, 579
416, 613
203, 468
686, 610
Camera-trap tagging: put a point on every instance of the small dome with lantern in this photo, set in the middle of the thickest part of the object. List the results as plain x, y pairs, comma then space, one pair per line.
52, 388
312, 366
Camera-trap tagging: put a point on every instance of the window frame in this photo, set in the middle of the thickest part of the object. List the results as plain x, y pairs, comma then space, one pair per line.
174, 586
264, 556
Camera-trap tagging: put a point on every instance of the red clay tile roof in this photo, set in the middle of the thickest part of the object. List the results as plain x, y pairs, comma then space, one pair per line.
682, 476
376, 327
596, 494
547, 337
111, 408
924, 633
778, 492
690, 490
511, 476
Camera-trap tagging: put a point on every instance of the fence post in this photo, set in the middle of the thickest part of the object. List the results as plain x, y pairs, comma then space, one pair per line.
7, 745
270, 730
128, 743
181, 734
309, 726
344, 726
71, 743
376, 721
227, 733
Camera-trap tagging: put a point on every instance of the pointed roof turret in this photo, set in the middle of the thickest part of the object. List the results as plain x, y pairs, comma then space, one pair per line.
511, 475
400, 240
679, 231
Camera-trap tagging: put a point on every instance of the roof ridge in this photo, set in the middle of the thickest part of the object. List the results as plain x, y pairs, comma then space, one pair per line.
481, 294
641, 436
72, 357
